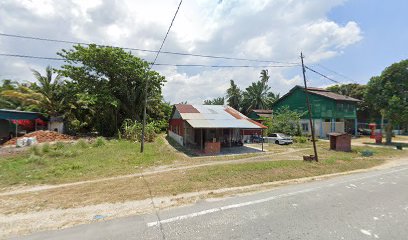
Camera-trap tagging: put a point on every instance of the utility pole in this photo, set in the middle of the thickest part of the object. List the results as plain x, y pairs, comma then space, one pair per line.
144, 114
309, 109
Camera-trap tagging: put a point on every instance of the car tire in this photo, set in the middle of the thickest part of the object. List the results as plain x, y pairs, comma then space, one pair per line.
276, 142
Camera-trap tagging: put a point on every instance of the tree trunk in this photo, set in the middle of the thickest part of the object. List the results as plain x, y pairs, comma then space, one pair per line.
388, 132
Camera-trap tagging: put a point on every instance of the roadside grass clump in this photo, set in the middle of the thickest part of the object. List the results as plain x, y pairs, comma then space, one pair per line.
82, 143
46, 148
70, 153
99, 141
59, 145
37, 160
36, 150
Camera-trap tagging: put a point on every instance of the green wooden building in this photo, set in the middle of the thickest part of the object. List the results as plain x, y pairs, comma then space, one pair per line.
331, 112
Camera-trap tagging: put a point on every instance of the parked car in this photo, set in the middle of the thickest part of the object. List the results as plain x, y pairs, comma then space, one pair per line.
256, 139
279, 138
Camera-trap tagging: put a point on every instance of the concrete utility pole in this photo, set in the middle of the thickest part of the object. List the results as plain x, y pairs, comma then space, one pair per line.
309, 109
144, 114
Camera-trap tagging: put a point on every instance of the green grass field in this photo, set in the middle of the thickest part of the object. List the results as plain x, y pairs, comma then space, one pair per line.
68, 162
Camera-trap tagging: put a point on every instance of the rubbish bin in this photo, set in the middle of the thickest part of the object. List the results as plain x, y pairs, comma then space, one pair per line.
378, 138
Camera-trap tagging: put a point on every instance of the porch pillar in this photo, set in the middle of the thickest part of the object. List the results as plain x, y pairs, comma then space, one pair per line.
321, 129
333, 125
230, 137
202, 139
16, 127
355, 127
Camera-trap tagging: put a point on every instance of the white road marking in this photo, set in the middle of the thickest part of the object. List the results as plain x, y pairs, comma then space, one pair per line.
366, 232
238, 205
375, 218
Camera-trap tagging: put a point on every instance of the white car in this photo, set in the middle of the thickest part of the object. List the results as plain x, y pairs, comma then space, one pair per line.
279, 138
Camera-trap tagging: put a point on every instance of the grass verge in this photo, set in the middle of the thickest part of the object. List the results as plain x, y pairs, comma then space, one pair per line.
176, 182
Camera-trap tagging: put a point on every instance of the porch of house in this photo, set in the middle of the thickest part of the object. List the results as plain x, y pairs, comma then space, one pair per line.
214, 141
325, 126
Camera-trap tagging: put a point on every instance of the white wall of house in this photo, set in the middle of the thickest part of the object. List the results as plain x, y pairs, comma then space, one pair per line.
176, 137
322, 128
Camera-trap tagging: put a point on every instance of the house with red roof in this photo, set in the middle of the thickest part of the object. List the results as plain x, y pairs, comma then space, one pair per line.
209, 128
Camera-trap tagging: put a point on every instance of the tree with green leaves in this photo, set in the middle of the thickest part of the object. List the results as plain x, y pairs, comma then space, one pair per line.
6, 103
114, 81
256, 96
284, 121
44, 95
388, 93
215, 101
234, 96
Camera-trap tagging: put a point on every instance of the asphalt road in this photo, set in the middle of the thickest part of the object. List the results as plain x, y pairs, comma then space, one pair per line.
371, 205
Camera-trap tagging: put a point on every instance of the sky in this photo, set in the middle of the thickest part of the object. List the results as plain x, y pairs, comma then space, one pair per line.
346, 40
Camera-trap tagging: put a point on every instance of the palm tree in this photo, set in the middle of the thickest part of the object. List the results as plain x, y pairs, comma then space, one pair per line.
256, 96
264, 76
45, 96
215, 101
234, 96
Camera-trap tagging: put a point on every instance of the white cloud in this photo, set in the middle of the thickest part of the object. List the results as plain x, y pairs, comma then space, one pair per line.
261, 29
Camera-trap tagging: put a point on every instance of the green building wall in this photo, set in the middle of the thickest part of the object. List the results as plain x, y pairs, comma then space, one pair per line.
322, 107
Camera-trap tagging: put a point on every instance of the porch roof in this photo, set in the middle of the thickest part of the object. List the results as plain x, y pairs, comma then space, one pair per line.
215, 116
223, 123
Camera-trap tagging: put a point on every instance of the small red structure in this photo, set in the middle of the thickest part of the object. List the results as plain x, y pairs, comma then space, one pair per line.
378, 138
340, 142
372, 127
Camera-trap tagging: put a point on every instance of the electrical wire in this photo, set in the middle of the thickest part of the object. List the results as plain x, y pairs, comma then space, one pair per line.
161, 64
321, 74
145, 50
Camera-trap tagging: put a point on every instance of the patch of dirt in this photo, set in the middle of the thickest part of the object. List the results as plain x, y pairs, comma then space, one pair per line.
42, 136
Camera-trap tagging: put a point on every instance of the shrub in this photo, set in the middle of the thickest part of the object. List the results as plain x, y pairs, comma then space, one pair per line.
300, 139
367, 153
100, 141
132, 130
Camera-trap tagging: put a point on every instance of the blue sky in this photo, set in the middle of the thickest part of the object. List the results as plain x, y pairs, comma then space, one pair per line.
357, 38
384, 26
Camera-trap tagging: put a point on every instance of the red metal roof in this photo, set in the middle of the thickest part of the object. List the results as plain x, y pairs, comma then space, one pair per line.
233, 112
186, 108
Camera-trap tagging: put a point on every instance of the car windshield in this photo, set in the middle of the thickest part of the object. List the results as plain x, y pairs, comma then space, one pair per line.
283, 135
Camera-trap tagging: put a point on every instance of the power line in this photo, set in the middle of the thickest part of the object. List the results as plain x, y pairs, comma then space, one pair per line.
29, 56
145, 50
337, 73
160, 64
321, 74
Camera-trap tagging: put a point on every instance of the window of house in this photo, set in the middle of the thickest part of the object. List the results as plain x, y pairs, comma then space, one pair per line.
305, 127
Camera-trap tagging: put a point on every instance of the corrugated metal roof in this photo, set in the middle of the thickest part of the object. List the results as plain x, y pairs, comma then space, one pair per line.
234, 123
333, 95
19, 115
216, 116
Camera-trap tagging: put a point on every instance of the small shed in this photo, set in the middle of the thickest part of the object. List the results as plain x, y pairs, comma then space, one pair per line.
340, 142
